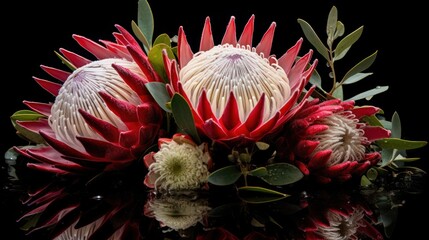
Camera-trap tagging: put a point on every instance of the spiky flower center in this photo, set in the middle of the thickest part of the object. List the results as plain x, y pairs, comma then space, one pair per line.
80, 91
343, 137
341, 226
180, 166
224, 69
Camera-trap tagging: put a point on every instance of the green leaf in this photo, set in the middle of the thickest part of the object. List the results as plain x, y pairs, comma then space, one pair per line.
396, 126
259, 172
400, 159
252, 194
338, 92
65, 61
282, 174
156, 59
364, 181
370, 93
225, 176
340, 30
372, 174
345, 44
315, 79
373, 121
183, 115
331, 25
163, 38
27, 115
262, 146
145, 22
140, 36
313, 38
160, 94
400, 144
355, 78
388, 155
361, 66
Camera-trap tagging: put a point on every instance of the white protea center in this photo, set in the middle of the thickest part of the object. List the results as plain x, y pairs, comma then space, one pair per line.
80, 91
341, 227
179, 213
343, 137
225, 68
180, 166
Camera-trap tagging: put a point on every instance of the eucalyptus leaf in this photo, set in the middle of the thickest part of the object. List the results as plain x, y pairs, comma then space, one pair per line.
312, 37
156, 59
282, 174
406, 159
331, 25
355, 78
145, 22
396, 126
340, 30
372, 174
163, 38
159, 93
257, 195
388, 155
225, 176
183, 116
338, 92
25, 115
386, 124
400, 144
361, 66
140, 36
315, 79
262, 146
364, 181
259, 172
345, 44
373, 121
370, 93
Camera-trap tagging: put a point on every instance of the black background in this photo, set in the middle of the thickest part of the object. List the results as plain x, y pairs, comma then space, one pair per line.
31, 32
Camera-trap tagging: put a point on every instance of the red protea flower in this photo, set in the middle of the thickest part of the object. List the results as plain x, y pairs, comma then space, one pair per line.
103, 117
237, 91
328, 140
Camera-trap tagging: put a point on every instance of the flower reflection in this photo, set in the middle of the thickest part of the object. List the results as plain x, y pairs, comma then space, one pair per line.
335, 216
177, 212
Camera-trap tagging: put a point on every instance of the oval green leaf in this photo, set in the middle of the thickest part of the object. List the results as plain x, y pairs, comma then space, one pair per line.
163, 38
282, 174
345, 44
253, 194
356, 78
331, 24
396, 126
183, 115
370, 93
145, 22
259, 172
225, 176
160, 94
361, 66
140, 36
156, 59
312, 37
400, 144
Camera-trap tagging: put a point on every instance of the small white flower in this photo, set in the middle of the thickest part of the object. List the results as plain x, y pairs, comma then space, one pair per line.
341, 227
178, 166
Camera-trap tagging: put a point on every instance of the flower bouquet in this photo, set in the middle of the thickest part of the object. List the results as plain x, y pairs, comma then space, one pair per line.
228, 114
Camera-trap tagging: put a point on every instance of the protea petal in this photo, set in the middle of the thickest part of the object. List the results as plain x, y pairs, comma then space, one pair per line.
247, 34
287, 60
230, 36
42, 108
230, 117
373, 133
94, 48
105, 129
266, 42
207, 41
184, 51
320, 159
51, 87
56, 73
77, 60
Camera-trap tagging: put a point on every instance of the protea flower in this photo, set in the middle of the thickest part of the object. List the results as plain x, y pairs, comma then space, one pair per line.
179, 164
237, 91
103, 117
328, 140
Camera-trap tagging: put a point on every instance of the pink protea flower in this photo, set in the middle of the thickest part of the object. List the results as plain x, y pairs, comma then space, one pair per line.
328, 140
103, 117
237, 91
179, 164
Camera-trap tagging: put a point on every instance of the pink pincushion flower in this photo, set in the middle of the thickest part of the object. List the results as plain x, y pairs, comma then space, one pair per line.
237, 91
328, 140
103, 117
